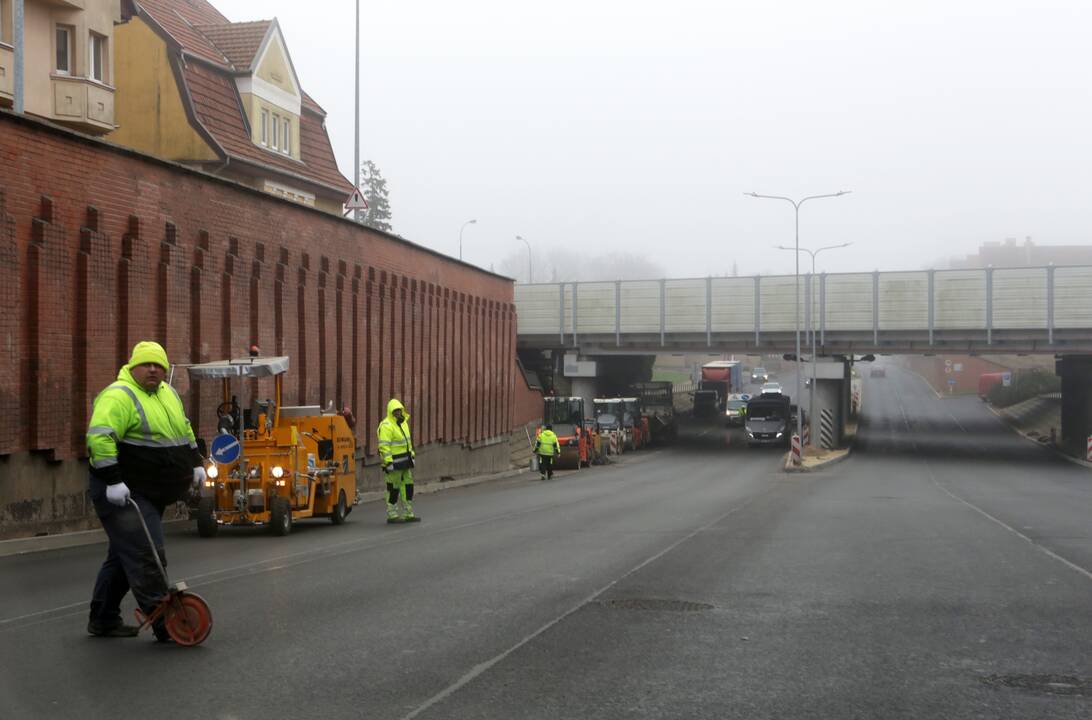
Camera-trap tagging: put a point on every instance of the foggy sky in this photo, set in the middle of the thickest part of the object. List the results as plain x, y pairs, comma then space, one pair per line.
595, 126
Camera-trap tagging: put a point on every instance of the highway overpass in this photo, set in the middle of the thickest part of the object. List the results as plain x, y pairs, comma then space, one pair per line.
1027, 310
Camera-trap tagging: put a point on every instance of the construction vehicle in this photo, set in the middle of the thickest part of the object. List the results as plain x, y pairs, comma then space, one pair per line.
566, 416
271, 464
658, 401
635, 423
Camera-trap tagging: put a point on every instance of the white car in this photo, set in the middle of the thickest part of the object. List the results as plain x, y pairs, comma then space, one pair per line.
771, 389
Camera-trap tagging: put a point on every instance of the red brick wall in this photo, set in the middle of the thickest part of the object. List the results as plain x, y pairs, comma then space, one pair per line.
102, 247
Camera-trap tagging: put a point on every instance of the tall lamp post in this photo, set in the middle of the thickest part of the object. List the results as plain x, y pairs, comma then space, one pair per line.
530, 272
796, 206
356, 123
811, 328
468, 222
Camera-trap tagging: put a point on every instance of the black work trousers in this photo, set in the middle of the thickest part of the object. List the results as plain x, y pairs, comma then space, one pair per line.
129, 563
546, 466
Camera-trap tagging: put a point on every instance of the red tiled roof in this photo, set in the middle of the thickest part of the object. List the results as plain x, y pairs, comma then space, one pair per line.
202, 32
239, 42
177, 17
216, 105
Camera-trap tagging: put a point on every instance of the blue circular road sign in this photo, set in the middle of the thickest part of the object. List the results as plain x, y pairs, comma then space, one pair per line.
226, 449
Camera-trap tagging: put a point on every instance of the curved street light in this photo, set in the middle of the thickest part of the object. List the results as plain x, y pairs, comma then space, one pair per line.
796, 206
468, 222
530, 271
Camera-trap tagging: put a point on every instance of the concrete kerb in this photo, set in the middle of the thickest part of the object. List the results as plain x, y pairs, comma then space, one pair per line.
60, 541
1008, 423
836, 456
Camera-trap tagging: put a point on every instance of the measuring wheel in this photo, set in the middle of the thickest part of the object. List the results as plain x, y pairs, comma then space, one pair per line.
187, 618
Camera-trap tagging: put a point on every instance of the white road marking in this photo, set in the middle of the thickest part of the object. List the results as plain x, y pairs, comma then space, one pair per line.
481, 668
1046, 551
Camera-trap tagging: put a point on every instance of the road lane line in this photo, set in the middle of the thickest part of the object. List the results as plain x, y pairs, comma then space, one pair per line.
483, 667
1014, 531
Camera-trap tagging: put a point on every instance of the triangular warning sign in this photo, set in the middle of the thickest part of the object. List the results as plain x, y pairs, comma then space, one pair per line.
356, 201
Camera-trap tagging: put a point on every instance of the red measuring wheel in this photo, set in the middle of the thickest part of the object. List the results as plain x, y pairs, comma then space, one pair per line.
187, 618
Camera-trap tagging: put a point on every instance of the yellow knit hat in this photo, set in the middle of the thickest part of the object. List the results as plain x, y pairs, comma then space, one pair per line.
148, 352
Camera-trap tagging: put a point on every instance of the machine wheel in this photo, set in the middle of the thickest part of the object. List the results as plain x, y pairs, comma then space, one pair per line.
206, 523
280, 516
188, 619
337, 517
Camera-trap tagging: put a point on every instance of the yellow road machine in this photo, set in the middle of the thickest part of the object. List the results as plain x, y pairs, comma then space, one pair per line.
272, 464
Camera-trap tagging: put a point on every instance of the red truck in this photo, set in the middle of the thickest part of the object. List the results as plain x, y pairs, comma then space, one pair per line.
987, 381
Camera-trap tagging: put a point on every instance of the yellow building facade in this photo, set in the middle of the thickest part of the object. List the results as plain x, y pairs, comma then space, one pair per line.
224, 97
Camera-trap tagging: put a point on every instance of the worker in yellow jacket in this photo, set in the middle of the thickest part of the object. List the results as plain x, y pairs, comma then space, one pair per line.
547, 448
142, 452
396, 455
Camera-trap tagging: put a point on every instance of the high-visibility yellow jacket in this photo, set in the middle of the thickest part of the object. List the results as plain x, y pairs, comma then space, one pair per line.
547, 443
394, 437
142, 439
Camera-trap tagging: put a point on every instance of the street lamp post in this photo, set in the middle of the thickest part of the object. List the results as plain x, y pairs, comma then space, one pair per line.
468, 222
811, 324
796, 206
530, 269
356, 124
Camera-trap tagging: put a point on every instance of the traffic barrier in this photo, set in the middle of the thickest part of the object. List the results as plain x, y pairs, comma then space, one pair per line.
1088, 453
796, 450
807, 433
826, 429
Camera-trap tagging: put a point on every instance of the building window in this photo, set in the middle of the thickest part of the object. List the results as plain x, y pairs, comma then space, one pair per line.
286, 144
265, 128
64, 49
97, 46
276, 131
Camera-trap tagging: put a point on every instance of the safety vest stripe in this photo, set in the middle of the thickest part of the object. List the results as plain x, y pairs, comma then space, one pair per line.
104, 462
101, 430
144, 426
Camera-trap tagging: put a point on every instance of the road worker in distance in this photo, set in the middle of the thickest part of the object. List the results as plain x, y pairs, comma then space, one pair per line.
547, 448
397, 456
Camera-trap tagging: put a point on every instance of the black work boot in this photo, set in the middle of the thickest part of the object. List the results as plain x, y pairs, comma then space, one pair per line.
120, 630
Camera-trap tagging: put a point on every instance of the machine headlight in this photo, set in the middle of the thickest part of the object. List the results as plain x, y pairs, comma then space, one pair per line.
780, 434
212, 471
750, 434
277, 471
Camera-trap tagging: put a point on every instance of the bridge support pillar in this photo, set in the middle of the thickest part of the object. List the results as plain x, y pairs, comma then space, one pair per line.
827, 420
1076, 374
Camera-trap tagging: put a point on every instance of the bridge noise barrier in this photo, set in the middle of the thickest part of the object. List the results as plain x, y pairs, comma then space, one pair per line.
826, 429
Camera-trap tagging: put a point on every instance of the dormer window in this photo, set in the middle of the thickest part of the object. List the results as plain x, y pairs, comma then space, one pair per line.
265, 128
276, 131
286, 140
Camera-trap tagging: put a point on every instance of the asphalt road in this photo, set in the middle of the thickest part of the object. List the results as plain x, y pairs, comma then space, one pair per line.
944, 570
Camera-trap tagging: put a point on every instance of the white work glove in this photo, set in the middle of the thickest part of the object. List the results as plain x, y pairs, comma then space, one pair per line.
199, 476
118, 494
388, 469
